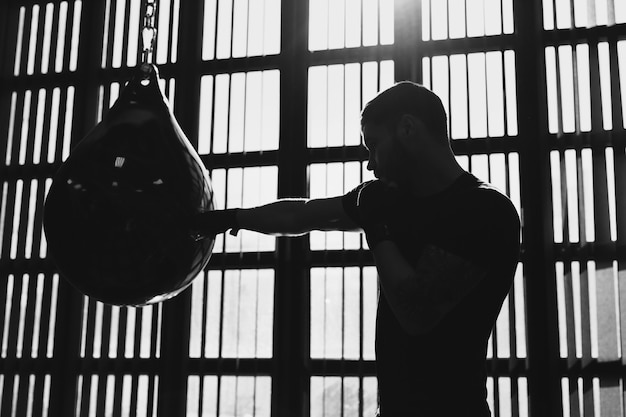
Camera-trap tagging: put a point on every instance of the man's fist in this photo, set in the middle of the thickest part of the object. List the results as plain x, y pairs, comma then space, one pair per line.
211, 223
378, 206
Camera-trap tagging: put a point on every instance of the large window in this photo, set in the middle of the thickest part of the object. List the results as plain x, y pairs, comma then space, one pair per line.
269, 93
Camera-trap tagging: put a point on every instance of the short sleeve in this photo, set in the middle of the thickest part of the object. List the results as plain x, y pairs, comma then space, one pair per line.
349, 202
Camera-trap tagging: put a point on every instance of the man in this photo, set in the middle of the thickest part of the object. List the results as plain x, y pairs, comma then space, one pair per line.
445, 245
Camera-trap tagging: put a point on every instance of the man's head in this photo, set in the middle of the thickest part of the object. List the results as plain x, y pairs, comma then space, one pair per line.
405, 130
407, 98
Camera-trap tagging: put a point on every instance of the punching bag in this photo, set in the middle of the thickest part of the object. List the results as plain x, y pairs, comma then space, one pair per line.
118, 214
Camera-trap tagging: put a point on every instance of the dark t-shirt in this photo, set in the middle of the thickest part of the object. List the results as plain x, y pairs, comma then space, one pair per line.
442, 372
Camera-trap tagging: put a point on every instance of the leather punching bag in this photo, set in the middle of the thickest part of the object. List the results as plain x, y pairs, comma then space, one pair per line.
117, 216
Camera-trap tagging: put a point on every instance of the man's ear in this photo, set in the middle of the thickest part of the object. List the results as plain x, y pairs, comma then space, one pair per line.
408, 126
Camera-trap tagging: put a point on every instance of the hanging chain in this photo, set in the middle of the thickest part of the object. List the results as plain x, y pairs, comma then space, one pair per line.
149, 31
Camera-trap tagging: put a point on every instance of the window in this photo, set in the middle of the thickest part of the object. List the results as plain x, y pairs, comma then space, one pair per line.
269, 92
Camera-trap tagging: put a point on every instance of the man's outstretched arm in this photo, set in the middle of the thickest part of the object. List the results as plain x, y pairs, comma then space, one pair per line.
285, 217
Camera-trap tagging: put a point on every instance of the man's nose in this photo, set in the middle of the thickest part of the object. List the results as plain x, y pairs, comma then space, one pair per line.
371, 164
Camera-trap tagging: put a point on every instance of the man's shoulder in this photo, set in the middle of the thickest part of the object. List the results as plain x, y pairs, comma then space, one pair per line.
491, 202
485, 216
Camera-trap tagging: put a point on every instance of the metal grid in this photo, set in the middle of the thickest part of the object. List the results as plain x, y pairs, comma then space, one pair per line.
269, 92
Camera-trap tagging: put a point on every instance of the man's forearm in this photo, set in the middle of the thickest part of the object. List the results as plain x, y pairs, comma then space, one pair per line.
400, 285
421, 294
285, 217
278, 218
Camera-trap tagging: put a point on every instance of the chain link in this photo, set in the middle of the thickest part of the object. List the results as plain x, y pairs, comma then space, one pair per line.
149, 31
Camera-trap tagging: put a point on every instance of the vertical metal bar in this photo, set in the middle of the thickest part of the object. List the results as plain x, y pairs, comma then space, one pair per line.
232, 27
290, 381
109, 33
218, 402
8, 38
60, 127
173, 25
361, 332
554, 14
172, 389
543, 374
54, 38
22, 395
515, 400
38, 393
29, 317
594, 80
408, 51
7, 391
204, 319
577, 91
569, 315
37, 231
5, 241
125, 38
15, 139
100, 400
152, 384
221, 328
118, 381
227, 133
215, 33
559, 93
616, 97
45, 139
496, 393
71, 9
23, 65
85, 397
585, 315
601, 216
574, 403
30, 138
88, 323
513, 355
106, 331
137, 335
505, 108
213, 106
486, 97
134, 392
157, 318
67, 337
467, 103
40, 34
45, 317
620, 178
22, 226
89, 62
13, 318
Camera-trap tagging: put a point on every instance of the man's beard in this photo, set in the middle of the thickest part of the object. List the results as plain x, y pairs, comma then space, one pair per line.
398, 166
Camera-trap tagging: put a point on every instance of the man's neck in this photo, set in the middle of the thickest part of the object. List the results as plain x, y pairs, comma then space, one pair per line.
437, 181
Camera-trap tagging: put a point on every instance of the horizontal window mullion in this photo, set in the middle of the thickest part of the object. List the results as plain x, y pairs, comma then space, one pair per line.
230, 366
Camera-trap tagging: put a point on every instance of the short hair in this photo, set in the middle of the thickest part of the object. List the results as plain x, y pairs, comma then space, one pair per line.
407, 97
